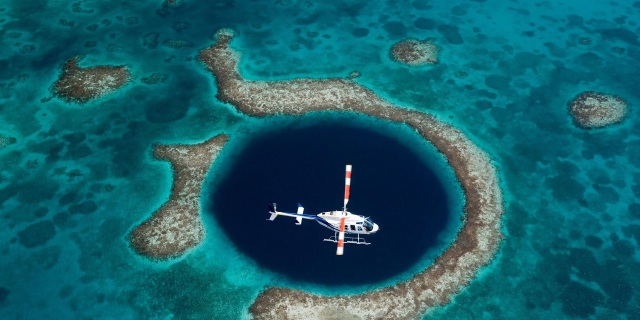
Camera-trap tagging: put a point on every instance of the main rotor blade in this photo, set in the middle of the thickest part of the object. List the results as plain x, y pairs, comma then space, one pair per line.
347, 185
340, 249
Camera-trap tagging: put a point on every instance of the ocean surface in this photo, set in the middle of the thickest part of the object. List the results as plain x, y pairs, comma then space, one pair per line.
75, 179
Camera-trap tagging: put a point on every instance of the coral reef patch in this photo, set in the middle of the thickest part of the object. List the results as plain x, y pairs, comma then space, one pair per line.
37, 234
6, 141
177, 226
415, 52
78, 84
596, 110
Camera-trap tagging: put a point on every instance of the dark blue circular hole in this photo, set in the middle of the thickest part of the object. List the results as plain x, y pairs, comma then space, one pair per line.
293, 164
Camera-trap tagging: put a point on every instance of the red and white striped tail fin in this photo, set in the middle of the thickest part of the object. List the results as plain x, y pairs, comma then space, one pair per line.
340, 249
347, 186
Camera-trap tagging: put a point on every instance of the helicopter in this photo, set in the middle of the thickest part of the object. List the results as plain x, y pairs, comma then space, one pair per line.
341, 222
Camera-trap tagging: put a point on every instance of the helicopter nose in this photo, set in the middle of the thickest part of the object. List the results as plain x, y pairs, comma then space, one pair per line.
375, 227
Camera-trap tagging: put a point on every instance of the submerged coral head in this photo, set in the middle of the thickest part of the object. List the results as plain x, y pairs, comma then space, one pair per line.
78, 84
596, 110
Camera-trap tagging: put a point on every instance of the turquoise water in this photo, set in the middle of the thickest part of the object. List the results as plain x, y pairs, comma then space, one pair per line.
79, 177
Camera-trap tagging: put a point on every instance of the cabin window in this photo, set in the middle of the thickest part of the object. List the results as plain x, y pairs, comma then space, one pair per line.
353, 228
359, 228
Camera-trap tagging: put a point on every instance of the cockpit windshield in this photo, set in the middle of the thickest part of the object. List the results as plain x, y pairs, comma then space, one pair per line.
368, 224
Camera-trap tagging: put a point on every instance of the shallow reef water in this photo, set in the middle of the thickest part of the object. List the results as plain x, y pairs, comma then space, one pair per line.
76, 178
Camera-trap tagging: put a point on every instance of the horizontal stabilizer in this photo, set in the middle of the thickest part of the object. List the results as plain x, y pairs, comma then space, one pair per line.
272, 211
300, 211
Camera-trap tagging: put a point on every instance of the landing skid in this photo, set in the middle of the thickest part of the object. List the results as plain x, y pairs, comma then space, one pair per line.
354, 240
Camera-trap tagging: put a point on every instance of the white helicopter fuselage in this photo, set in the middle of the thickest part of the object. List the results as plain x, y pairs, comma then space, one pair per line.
341, 222
353, 223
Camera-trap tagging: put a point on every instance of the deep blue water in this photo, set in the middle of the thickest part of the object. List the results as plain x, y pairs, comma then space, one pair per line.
78, 178
391, 183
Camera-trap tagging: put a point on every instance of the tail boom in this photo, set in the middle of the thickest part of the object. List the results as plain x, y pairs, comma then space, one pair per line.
299, 215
